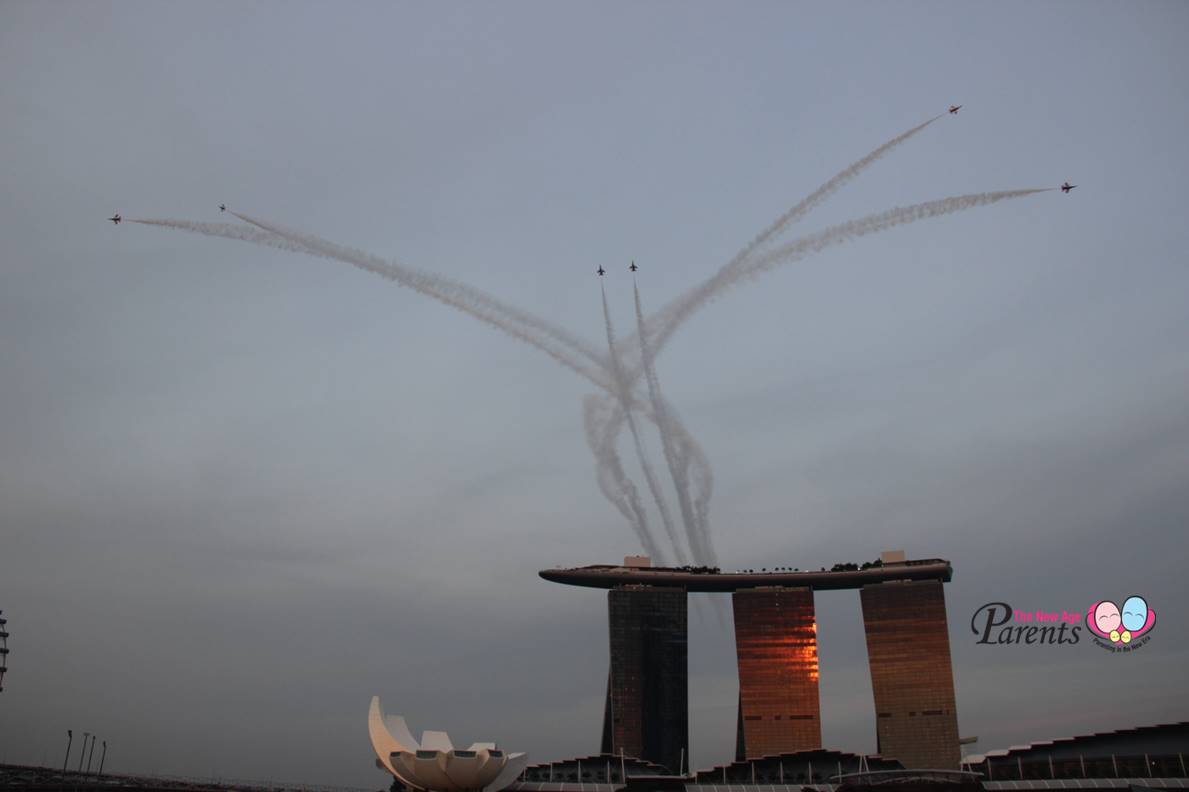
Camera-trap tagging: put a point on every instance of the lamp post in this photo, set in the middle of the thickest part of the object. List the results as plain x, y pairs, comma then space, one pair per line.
3, 648
102, 757
93, 738
83, 754
69, 740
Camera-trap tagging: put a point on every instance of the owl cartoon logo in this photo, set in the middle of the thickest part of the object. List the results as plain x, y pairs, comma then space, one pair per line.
1118, 625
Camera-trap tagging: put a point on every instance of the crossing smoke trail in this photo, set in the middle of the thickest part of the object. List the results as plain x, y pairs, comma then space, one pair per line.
625, 400
676, 455
602, 422
368, 262
613, 481
511, 321
681, 309
225, 230
819, 195
669, 322
308, 243
613, 423
609, 468
881, 221
431, 284
809, 203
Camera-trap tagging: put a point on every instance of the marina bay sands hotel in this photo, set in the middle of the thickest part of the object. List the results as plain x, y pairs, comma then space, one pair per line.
908, 650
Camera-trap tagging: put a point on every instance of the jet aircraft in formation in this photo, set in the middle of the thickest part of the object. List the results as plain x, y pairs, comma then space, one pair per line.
601, 272
954, 109
116, 218
1067, 187
222, 207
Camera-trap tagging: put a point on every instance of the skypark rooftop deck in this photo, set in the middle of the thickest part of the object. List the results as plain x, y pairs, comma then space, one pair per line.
702, 579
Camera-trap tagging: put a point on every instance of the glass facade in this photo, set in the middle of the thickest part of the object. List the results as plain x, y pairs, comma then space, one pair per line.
647, 713
776, 646
908, 649
779, 709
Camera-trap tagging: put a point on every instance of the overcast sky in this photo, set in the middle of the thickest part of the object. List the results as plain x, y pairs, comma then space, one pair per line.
243, 490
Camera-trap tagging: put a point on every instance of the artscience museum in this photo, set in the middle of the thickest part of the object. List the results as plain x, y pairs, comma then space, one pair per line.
434, 763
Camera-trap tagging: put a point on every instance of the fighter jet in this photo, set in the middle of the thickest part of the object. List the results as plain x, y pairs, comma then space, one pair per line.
600, 270
222, 207
115, 218
954, 109
633, 268
1067, 187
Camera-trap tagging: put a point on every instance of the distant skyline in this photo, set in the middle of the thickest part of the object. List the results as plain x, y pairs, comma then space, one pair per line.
244, 490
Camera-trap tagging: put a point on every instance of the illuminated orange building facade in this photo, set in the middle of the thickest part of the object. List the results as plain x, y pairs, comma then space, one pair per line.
908, 649
776, 646
646, 711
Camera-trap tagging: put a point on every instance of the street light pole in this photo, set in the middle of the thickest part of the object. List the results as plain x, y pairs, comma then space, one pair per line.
3, 649
92, 753
102, 757
83, 754
69, 740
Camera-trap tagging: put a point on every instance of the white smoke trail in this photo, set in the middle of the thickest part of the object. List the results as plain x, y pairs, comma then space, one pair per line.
625, 401
811, 201
433, 282
665, 319
612, 427
670, 318
863, 226
224, 230
683, 307
559, 345
575, 354
802, 208
604, 420
677, 461
613, 481
703, 489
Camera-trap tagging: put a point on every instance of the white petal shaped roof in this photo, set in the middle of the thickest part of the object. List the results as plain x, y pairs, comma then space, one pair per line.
400, 731
431, 771
473, 771
434, 764
512, 769
389, 735
436, 741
